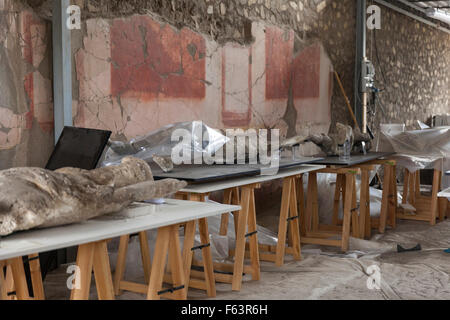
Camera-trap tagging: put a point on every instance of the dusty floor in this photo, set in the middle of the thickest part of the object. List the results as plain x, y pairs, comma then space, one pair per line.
322, 274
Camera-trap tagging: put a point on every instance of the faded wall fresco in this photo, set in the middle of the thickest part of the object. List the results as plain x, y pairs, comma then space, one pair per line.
243, 65
137, 74
26, 109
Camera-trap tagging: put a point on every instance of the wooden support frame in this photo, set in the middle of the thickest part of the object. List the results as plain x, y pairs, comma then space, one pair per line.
364, 205
388, 214
444, 207
289, 226
245, 227
13, 279
389, 202
189, 234
9, 283
232, 197
428, 208
36, 277
208, 281
93, 258
17, 275
167, 244
119, 283
351, 224
3, 288
385, 199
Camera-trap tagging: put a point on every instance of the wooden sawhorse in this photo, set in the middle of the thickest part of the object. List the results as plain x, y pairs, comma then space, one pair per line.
315, 233
93, 257
357, 221
167, 243
389, 202
13, 282
292, 208
245, 225
428, 208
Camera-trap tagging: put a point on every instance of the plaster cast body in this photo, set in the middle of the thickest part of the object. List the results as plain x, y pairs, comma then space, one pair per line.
329, 143
35, 197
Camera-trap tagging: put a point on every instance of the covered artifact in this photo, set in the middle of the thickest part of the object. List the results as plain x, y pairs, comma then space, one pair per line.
329, 144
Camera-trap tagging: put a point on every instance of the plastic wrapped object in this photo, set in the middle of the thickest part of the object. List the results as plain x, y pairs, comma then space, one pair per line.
419, 149
326, 184
204, 140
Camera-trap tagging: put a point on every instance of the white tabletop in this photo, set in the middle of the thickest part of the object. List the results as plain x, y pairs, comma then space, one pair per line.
203, 188
139, 217
444, 194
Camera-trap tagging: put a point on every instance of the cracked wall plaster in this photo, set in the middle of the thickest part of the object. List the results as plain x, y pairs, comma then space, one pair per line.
26, 107
137, 74
415, 60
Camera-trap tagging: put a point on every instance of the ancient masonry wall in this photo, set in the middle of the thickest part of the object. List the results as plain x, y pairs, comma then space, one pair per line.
141, 64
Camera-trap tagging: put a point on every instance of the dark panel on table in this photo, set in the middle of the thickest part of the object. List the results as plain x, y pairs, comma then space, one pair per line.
203, 173
354, 159
78, 148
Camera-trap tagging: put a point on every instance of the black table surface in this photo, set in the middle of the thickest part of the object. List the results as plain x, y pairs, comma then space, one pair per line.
354, 159
203, 173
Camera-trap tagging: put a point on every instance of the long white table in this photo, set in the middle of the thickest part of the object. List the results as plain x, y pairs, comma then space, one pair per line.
91, 237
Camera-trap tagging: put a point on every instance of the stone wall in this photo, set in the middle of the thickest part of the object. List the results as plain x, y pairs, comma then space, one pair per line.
263, 63
137, 74
413, 66
26, 111
229, 63
402, 43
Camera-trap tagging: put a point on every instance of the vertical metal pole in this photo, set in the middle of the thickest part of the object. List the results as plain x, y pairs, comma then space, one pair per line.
364, 113
360, 55
62, 84
62, 68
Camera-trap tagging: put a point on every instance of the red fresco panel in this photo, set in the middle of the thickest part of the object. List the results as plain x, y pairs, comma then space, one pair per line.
29, 89
232, 118
306, 73
28, 22
279, 51
154, 60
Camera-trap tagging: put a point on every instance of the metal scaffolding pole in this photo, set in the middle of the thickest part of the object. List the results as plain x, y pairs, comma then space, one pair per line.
62, 68
360, 98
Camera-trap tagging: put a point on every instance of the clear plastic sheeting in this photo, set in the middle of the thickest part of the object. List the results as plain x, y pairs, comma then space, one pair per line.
204, 140
220, 245
265, 236
326, 185
419, 149
134, 266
